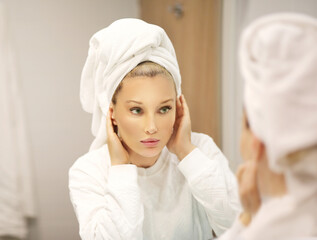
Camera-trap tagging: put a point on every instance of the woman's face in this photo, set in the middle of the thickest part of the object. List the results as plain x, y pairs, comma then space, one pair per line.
145, 113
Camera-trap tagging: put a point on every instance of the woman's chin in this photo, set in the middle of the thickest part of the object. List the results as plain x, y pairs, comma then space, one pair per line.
151, 153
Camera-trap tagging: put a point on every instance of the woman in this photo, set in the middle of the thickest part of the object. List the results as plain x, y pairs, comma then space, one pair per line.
278, 181
146, 175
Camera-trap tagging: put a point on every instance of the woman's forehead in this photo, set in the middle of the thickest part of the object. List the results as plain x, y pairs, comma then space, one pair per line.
143, 85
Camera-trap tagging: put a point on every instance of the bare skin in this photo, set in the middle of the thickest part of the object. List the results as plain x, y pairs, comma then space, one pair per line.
180, 142
254, 176
149, 119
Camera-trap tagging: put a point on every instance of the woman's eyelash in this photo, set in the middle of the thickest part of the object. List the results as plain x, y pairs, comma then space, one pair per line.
136, 110
165, 109
162, 110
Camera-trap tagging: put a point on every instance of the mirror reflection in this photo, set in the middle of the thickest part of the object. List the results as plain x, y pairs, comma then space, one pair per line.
161, 153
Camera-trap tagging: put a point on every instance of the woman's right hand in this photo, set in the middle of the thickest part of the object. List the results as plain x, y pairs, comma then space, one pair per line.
248, 190
118, 154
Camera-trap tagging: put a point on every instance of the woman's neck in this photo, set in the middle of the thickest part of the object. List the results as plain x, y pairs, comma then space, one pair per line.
271, 184
277, 185
141, 161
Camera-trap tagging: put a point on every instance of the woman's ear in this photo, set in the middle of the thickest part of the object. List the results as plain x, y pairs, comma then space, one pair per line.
113, 117
258, 148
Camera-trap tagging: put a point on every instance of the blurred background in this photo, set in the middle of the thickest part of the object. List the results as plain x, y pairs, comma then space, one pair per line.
44, 44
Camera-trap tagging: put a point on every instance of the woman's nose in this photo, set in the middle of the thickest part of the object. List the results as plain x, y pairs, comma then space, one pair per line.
150, 126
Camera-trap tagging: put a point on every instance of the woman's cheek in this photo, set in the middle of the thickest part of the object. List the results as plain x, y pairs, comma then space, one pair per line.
168, 124
127, 126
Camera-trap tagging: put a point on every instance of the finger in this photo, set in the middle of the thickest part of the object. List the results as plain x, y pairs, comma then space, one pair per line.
248, 188
240, 172
255, 199
254, 167
184, 105
252, 173
176, 125
179, 108
245, 183
179, 114
249, 176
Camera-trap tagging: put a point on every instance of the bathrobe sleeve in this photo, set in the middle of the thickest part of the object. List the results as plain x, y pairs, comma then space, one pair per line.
107, 201
211, 182
234, 232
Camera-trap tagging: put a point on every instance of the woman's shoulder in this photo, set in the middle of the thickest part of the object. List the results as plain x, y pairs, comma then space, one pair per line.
91, 162
205, 143
201, 139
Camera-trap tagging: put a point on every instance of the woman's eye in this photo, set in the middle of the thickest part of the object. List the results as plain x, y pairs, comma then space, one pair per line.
164, 110
136, 110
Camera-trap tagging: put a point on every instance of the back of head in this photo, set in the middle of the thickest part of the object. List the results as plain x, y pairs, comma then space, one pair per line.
278, 59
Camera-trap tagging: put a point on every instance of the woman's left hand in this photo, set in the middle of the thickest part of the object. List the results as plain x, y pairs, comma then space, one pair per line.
180, 141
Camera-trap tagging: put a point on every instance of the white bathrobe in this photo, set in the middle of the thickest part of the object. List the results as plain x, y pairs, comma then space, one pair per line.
16, 190
170, 200
293, 216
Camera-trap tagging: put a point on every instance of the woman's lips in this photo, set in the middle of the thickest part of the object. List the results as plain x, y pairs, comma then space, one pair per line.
150, 142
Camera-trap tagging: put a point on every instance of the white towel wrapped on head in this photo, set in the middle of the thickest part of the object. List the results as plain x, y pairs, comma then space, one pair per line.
278, 60
114, 51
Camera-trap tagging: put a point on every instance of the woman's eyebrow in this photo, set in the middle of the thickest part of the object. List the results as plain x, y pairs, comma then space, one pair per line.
171, 99
129, 101
137, 102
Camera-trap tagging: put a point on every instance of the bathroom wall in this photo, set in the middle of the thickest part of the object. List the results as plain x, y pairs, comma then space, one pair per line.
51, 43
50, 38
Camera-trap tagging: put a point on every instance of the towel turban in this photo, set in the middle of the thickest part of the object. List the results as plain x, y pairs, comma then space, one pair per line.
278, 61
113, 52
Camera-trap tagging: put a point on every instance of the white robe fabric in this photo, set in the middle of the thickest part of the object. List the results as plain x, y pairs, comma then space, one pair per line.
170, 200
279, 218
16, 190
293, 216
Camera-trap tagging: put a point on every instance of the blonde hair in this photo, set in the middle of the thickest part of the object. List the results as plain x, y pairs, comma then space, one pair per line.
146, 69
